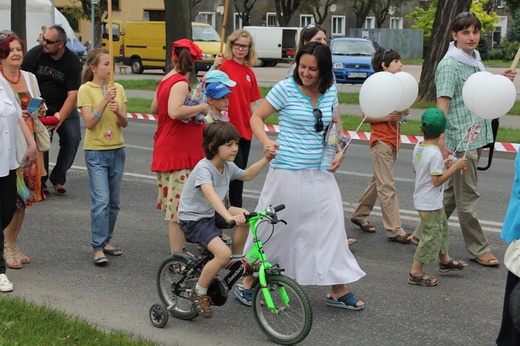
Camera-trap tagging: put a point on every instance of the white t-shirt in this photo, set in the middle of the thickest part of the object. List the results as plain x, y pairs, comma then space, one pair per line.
427, 161
10, 113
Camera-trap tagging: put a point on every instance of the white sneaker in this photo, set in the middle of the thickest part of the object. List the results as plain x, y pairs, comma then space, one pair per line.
5, 284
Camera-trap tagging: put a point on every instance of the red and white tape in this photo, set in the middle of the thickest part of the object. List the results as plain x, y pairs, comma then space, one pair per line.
499, 146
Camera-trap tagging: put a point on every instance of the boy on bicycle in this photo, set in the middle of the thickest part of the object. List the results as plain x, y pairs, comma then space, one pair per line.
201, 211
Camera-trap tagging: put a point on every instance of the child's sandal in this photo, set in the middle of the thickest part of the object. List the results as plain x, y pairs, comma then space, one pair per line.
451, 265
422, 280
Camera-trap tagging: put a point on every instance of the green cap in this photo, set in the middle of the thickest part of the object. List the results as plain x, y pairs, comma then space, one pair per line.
434, 122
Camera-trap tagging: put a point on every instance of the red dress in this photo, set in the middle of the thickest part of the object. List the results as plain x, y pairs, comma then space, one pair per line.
178, 145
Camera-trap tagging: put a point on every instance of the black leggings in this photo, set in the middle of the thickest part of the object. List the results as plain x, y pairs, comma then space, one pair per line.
7, 209
236, 187
508, 334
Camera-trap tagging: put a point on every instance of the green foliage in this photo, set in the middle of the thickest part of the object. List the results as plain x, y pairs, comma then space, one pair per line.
513, 34
507, 50
424, 19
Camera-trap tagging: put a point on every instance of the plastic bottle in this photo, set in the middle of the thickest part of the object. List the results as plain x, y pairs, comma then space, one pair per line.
331, 145
196, 97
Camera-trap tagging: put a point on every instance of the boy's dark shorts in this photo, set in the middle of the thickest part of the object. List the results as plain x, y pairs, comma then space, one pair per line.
203, 231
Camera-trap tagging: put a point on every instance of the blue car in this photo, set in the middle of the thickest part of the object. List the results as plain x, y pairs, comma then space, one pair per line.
351, 59
77, 47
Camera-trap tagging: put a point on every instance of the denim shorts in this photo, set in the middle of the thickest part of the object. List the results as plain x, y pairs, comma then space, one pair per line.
204, 230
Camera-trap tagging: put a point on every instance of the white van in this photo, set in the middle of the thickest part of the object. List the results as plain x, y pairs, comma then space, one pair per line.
274, 44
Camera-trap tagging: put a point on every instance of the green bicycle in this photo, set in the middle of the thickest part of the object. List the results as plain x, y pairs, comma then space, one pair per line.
280, 307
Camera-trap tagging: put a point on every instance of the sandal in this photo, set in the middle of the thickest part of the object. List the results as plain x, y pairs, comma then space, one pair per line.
21, 257
349, 301
485, 260
451, 265
351, 241
422, 280
11, 258
414, 240
368, 228
226, 239
402, 239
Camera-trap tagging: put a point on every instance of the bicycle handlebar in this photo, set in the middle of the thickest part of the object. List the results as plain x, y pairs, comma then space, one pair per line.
271, 211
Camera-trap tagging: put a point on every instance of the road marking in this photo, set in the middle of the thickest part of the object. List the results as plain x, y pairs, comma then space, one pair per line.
410, 215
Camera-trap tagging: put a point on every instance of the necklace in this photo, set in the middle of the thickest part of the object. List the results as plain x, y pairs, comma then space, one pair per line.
9, 79
310, 92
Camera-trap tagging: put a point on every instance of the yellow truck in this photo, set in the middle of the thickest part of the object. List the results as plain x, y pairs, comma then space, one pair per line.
141, 44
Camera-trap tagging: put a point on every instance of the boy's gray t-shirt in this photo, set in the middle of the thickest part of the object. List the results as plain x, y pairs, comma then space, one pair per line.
193, 204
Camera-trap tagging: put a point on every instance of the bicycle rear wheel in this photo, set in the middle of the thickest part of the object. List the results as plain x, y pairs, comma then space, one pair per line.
292, 321
174, 294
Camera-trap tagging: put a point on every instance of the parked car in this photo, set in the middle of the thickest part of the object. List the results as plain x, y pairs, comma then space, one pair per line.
352, 59
77, 47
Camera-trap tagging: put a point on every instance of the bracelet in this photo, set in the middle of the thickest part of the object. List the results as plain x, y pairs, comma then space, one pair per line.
96, 114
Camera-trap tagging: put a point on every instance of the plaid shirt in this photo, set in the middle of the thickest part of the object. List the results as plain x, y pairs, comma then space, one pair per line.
449, 79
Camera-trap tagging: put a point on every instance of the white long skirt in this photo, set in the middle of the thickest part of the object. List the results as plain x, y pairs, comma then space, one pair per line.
312, 247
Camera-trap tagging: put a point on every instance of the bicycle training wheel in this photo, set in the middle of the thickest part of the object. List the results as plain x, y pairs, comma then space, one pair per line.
175, 295
292, 321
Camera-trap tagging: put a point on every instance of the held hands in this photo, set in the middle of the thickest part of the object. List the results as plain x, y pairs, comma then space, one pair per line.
270, 149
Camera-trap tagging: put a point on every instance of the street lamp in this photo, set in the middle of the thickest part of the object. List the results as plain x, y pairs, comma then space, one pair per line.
92, 39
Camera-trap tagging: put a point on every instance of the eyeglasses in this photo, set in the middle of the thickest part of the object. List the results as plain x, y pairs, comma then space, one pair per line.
49, 41
464, 15
4, 36
239, 46
388, 50
319, 122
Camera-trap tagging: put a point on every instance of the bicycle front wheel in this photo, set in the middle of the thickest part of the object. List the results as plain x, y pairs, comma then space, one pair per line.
174, 293
292, 320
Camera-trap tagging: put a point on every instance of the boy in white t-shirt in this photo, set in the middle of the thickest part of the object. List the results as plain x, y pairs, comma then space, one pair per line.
429, 168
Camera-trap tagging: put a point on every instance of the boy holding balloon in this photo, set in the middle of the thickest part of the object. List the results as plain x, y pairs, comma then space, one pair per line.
467, 131
430, 176
385, 138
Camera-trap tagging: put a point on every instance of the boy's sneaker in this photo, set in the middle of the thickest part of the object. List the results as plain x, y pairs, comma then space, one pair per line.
201, 304
5, 284
243, 294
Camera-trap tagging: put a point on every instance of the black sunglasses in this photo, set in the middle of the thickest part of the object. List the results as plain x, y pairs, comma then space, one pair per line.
49, 41
464, 15
388, 50
319, 122
4, 36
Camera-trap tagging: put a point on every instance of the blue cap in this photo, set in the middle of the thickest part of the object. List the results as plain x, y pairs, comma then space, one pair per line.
216, 90
215, 76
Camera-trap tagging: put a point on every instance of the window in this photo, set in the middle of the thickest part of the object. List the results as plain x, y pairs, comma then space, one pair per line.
154, 15
306, 19
237, 21
501, 4
370, 23
73, 21
206, 17
338, 26
396, 23
270, 19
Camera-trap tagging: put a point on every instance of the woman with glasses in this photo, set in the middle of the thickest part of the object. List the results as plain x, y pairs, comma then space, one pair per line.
312, 246
25, 86
239, 56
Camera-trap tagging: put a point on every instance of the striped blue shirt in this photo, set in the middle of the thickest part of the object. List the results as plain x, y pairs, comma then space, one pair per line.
301, 146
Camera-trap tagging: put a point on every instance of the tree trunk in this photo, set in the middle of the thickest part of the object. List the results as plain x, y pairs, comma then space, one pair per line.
18, 19
177, 27
441, 36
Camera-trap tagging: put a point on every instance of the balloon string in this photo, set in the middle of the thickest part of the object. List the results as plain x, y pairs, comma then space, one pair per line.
350, 139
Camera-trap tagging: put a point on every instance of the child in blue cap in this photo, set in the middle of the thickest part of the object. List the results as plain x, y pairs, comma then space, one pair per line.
217, 99
430, 175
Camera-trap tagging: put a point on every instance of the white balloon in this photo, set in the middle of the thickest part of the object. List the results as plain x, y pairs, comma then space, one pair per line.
410, 90
469, 88
380, 94
494, 97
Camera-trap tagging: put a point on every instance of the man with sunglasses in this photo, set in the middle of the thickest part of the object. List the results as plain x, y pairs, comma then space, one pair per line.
461, 192
58, 71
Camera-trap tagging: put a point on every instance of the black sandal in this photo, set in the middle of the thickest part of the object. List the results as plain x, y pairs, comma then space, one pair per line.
368, 228
402, 239
446, 267
422, 280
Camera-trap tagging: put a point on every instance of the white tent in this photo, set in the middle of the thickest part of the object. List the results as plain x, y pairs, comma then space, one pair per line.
38, 14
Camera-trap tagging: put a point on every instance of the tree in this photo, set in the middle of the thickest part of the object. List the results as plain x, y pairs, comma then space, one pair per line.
382, 8
285, 9
244, 14
316, 7
18, 19
177, 27
82, 9
362, 8
512, 5
445, 10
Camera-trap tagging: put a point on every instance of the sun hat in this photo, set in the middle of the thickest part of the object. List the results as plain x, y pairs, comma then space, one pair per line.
217, 90
195, 51
434, 122
214, 76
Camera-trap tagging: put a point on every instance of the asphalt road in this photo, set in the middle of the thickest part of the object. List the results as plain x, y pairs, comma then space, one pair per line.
464, 309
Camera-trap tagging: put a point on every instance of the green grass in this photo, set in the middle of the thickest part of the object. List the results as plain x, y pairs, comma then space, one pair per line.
25, 323
139, 84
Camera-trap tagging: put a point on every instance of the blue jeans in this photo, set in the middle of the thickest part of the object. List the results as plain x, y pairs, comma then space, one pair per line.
105, 171
70, 136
